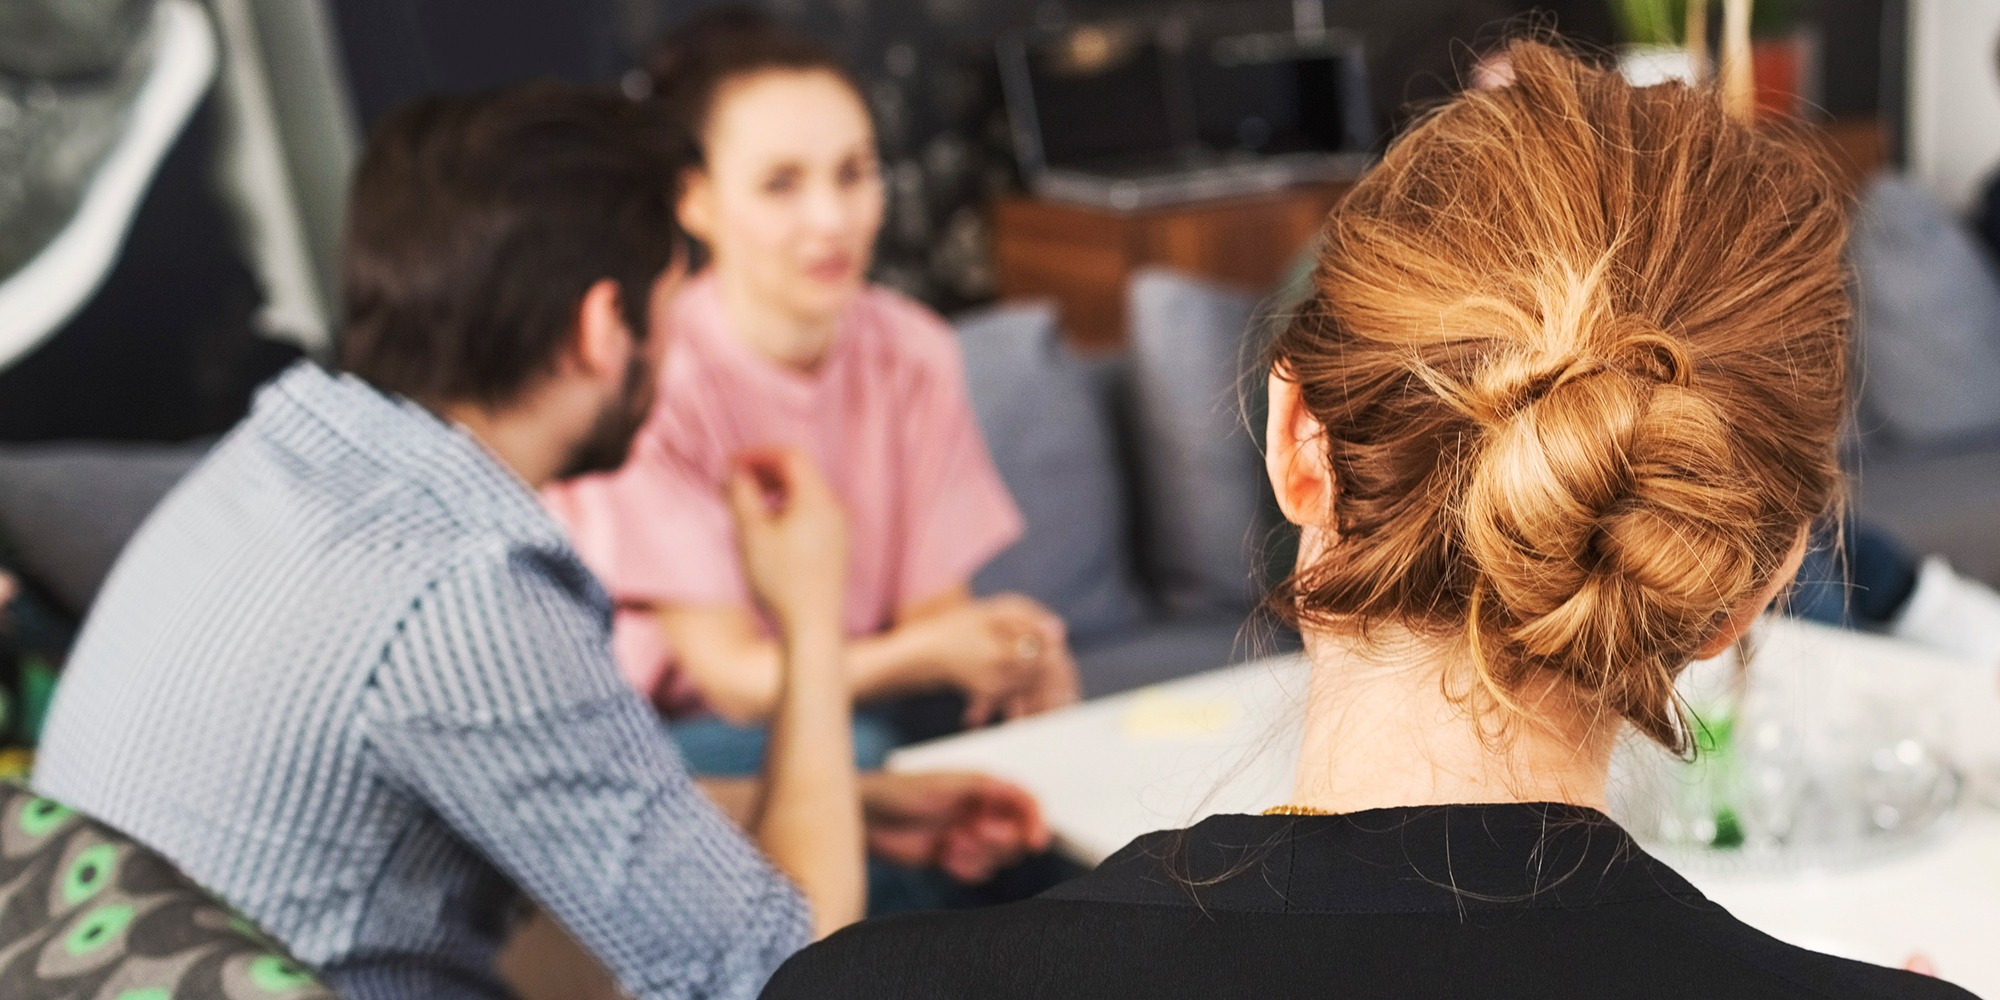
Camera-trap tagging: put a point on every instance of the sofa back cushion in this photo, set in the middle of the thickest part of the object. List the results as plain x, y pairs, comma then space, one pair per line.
1049, 426
1202, 502
70, 508
1930, 319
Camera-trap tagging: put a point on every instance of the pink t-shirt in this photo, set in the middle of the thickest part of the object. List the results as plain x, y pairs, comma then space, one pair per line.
885, 416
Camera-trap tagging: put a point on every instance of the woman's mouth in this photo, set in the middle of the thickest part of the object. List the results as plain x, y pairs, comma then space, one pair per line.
836, 268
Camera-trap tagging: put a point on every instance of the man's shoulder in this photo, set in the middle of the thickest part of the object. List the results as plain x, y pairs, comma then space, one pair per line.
337, 535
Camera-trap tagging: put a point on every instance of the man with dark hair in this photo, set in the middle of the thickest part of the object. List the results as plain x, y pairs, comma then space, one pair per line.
351, 677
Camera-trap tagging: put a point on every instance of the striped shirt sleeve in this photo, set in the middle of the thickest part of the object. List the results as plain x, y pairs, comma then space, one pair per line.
497, 703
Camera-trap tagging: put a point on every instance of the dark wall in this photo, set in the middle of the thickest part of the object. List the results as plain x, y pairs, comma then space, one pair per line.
167, 351
929, 72
398, 49
1856, 36
929, 68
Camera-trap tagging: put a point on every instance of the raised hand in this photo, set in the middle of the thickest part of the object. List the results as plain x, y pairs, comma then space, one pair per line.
793, 536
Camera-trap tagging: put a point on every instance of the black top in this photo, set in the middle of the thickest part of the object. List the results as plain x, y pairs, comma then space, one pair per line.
1489, 901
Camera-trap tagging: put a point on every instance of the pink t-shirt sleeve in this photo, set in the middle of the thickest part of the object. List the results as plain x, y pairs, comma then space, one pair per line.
960, 514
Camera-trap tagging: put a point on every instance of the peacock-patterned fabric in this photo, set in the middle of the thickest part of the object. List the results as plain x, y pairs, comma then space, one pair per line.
87, 914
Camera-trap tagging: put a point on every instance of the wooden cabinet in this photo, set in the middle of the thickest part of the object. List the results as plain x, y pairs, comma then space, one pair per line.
1083, 257
1856, 149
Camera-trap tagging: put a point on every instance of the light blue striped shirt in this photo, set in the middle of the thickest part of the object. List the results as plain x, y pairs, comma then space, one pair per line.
352, 678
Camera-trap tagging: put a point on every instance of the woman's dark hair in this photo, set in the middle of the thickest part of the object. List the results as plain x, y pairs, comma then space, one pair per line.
691, 64
477, 223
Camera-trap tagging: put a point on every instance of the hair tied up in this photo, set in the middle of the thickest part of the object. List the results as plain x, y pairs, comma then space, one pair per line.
1650, 354
1643, 353
1501, 346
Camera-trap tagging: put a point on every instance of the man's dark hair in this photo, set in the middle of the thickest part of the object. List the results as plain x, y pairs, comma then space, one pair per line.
477, 223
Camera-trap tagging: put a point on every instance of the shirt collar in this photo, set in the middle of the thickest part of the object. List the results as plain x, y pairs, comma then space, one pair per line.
708, 327
1453, 858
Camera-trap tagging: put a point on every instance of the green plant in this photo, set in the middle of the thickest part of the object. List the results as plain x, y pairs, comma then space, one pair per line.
1664, 22
1650, 22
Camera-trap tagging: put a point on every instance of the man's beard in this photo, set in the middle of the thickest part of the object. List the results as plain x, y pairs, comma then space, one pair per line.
610, 438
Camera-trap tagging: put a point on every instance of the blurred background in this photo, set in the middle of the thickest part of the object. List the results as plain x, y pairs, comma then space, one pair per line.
1108, 198
224, 266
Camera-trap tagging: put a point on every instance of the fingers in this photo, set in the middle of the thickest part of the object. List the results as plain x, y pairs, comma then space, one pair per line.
1019, 706
1060, 683
1047, 677
778, 474
797, 474
979, 708
792, 534
747, 503
1003, 827
970, 826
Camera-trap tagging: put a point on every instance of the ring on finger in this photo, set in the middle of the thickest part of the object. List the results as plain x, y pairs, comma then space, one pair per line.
1028, 647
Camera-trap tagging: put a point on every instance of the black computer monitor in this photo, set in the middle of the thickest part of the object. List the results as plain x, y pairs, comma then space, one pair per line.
1104, 97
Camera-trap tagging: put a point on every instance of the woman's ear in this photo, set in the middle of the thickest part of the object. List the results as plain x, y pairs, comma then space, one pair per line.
1295, 455
696, 208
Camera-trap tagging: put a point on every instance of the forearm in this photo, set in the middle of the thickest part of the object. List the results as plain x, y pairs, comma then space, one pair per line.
672, 865
741, 679
900, 660
737, 798
808, 821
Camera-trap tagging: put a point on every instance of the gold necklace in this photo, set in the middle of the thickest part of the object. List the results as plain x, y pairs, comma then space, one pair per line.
1291, 810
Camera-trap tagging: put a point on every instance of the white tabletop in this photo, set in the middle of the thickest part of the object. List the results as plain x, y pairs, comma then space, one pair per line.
1223, 742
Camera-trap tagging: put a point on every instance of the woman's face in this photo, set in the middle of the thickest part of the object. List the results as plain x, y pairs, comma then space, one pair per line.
790, 198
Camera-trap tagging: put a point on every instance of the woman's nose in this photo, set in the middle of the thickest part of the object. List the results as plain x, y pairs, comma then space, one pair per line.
827, 209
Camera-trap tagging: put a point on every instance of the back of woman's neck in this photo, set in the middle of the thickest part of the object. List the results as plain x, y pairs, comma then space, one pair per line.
772, 332
1382, 730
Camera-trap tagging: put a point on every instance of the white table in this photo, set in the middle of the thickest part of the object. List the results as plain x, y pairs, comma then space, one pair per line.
1222, 742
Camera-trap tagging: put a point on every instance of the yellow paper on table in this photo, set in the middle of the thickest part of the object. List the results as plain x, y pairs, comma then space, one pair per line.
1160, 715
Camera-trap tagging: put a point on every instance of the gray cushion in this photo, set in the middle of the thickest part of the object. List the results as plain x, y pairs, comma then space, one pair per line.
1167, 650
70, 508
1930, 318
1946, 503
1050, 432
1201, 499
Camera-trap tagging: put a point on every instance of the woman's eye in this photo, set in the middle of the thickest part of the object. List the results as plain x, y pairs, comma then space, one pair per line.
851, 174
781, 183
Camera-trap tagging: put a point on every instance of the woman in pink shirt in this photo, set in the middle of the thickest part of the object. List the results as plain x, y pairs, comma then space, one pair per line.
781, 340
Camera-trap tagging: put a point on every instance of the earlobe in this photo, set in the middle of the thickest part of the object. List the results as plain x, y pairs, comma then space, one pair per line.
1294, 456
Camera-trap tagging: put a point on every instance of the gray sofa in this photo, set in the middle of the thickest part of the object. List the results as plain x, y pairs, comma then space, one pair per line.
1150, 527
1925, 456
1141, 485
67, 509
